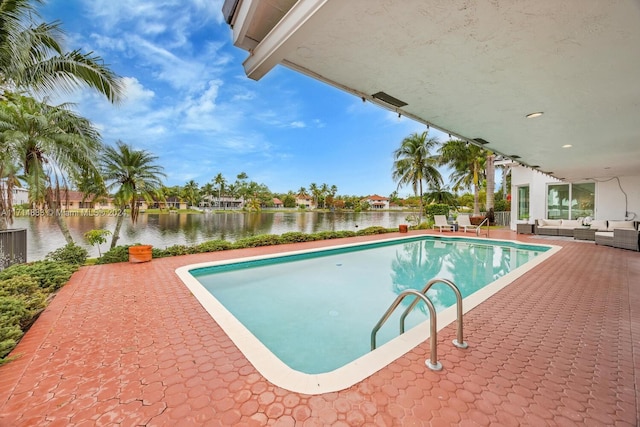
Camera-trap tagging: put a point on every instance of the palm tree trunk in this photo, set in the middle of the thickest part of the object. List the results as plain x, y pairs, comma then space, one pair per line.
64, 228
116, 232
476, 200
491, 176
421, 207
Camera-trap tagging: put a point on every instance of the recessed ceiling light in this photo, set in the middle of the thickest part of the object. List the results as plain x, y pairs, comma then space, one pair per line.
567, 146
534, 115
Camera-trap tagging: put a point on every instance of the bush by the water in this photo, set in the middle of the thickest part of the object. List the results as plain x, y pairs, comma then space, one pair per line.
69, 254
121, 253
373, 230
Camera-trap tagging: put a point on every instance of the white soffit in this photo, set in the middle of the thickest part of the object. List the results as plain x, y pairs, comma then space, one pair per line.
476, 68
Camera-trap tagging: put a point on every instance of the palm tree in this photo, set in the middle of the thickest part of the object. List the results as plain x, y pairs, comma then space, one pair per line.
315, 192
414, 164
467, 161
324, 190
220, 182
439, 194
32, 57
132, 174
191, 192
49, 144
9, 180
206, 192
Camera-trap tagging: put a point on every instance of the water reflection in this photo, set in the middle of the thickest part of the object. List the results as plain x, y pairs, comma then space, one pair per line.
43, 234
469, 265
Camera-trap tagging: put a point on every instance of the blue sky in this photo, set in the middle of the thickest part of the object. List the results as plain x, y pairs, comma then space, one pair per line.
189, 102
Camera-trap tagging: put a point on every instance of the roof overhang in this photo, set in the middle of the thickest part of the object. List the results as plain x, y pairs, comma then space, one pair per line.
473, 69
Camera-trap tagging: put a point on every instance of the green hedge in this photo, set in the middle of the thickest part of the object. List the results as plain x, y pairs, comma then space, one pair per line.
437, 209
24, 291
121, 253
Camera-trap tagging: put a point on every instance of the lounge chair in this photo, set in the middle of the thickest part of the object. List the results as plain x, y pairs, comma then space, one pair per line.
465, 224
441, 222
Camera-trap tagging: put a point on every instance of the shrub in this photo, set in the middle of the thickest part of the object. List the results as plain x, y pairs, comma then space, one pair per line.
295, 237
117, 254
50, 275
155, 253
69, 254
502, 205
178, 250
437, 209
12, 313
255, 241
212, 246
372, 230
326, 235
27, 290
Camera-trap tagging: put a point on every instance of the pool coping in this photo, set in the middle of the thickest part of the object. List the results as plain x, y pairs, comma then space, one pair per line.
278, 373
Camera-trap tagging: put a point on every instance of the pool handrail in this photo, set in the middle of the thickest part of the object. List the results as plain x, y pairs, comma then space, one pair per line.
431, 363
459, 341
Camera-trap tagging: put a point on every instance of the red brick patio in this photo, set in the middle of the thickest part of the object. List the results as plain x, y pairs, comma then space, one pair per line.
127, 344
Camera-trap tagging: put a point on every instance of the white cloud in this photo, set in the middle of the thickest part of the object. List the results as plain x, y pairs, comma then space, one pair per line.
297, 124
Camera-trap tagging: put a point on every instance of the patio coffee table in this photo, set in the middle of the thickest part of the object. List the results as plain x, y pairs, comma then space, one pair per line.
584, 233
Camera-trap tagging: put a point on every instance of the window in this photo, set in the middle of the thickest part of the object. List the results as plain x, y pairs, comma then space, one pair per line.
570, 201
523, 202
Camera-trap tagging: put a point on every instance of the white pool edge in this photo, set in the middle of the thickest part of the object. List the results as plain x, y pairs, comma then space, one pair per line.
278, 373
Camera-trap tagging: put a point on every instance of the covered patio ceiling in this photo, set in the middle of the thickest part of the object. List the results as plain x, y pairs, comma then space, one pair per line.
474, 69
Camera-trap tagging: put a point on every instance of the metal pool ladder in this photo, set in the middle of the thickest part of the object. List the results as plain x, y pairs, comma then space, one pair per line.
459, 342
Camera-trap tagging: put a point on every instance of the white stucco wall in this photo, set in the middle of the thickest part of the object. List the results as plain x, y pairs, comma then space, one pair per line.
617, 199
610, 203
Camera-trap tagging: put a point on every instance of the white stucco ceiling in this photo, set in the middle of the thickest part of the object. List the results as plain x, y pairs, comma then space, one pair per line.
475, 69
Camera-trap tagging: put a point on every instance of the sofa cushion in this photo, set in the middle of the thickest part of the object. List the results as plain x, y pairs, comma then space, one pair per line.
549, 222
599, 224
620, 224
571, 223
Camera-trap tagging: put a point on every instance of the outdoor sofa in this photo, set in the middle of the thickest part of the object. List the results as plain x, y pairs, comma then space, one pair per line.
620, 234
557, 227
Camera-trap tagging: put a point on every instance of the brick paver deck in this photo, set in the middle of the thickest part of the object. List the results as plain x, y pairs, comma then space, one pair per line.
127, 344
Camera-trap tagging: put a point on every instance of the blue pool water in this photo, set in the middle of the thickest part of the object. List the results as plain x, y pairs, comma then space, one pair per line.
315, 311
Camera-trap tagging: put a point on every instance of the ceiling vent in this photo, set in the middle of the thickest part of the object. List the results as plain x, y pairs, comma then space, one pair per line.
481, 141
385, 97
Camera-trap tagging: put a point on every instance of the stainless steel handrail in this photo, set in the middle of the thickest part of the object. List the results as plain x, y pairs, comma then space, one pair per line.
459, 341
480, 227
431, 363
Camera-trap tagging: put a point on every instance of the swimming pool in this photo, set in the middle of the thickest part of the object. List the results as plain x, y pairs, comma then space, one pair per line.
309, 314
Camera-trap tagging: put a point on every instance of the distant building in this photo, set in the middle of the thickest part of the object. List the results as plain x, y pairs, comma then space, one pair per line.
277, 203
71, 199
305, 201
224, 202
377, 202
20, 196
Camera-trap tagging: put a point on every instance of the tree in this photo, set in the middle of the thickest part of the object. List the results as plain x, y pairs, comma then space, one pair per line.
49, 144
191, 193
440, 195
315, 193
490, 173
414, 164
32, 56
467, 161
132, 174
324, 192
221, 182
96, 238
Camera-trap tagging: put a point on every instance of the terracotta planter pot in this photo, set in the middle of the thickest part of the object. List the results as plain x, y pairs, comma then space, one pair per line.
403, 228
140, 253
